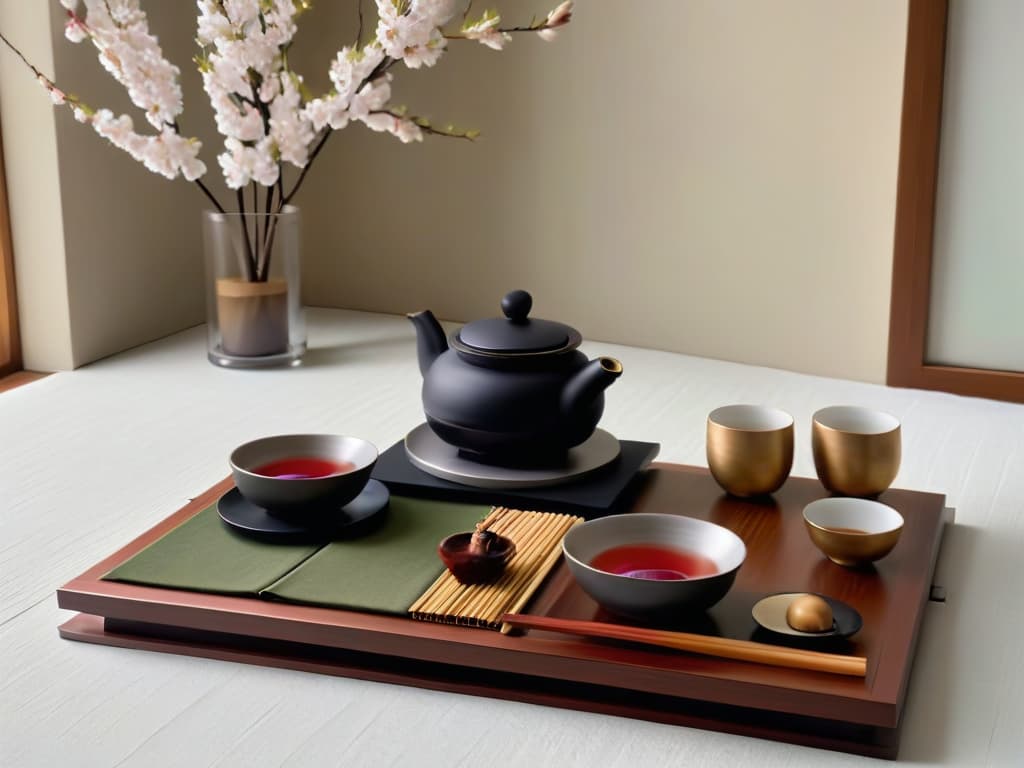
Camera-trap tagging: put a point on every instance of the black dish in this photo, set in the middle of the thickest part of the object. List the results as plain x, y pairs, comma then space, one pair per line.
601, 493
770, 615
356, 516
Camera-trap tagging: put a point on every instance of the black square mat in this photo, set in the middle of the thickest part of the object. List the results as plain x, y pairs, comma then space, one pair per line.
603, 493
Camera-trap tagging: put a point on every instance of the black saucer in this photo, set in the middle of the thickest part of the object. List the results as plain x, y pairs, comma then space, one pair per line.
770, 615
242, 515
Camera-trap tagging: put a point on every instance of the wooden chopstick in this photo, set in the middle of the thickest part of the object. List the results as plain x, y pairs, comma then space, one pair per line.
722, 647
539, 575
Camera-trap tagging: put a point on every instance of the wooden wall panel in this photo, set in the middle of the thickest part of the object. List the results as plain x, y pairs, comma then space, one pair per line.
915, 220
10, 345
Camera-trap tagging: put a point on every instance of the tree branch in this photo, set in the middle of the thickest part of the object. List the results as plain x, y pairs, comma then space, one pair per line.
305, 169
269, 225
385, 64
425, 125
21, 56
209, 194
250, 266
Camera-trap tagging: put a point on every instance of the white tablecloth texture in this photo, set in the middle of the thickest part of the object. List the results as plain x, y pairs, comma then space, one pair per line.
91, 458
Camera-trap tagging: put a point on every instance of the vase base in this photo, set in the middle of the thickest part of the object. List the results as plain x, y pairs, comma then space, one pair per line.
288, 359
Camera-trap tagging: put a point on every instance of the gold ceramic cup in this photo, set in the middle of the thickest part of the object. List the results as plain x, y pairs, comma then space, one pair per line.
852, 532
750, 448
856, 450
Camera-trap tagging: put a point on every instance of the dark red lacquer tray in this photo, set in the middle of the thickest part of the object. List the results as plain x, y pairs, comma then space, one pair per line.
817, 709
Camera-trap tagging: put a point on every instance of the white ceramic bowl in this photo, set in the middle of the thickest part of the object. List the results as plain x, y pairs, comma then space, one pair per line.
853, 531
302, 498
644, 598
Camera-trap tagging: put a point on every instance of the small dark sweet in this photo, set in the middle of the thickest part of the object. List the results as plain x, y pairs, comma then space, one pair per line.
476, 557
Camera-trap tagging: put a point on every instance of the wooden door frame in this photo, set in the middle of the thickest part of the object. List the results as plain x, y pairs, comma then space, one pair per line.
10, 341
915, 221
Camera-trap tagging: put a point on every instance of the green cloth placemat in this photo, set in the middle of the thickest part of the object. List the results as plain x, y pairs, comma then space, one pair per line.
204, 555
387, 570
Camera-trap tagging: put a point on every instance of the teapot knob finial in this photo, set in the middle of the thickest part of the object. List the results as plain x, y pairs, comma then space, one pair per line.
516, 305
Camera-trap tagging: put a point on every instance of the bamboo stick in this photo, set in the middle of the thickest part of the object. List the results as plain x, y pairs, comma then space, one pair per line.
536, 535
553, 534
540, 537
543, 557
429, 595
450, 594
723, 647
470, 594
440, 583
538, 578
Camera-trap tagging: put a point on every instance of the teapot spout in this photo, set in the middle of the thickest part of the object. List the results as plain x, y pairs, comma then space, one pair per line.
587, 383
430, 338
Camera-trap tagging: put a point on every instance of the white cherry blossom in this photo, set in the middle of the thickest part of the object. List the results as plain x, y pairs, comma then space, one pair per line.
290, 128
413, 37
487, 31
166, 153
75, 30
559, 17
120, 31
242, 164
57, 96
259, 103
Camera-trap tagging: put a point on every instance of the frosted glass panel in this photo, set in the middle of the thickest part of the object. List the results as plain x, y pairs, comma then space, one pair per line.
977, 305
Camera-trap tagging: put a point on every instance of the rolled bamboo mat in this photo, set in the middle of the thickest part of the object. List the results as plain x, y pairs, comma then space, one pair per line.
538, 540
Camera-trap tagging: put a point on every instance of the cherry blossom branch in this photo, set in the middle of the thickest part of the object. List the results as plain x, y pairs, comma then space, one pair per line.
166, 153
426, 126
262, 110
378, 72
312, 156
57, 96
255, 217
263, 272
269, 224
209, 194
488, 30
249, 262
39, 75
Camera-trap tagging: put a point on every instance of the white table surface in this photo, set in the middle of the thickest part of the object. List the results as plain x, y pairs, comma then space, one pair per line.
91, 458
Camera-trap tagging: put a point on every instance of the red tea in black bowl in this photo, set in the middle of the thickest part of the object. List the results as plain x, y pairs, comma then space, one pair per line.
303, 468
652, 561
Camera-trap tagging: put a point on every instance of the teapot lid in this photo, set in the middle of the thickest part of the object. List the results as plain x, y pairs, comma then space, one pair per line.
516, 333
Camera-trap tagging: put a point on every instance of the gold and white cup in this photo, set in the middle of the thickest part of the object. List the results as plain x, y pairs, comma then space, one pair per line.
856, 450
750, 448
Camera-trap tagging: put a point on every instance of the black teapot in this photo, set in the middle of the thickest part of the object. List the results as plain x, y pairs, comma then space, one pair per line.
511, 390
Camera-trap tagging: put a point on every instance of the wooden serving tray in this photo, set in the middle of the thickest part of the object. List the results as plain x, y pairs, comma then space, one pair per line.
856, 715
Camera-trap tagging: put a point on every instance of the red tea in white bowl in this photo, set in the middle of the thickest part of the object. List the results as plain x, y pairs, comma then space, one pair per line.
644, 565
303, 468
652, 561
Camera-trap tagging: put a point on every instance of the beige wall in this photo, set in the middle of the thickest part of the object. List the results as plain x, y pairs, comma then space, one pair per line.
33, 186
712, 177
132, 238
107, 255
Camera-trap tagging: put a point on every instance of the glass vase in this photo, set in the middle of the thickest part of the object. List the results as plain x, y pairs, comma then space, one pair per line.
253, 289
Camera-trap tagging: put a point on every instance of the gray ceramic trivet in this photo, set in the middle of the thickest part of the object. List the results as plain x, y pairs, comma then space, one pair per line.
435, 457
